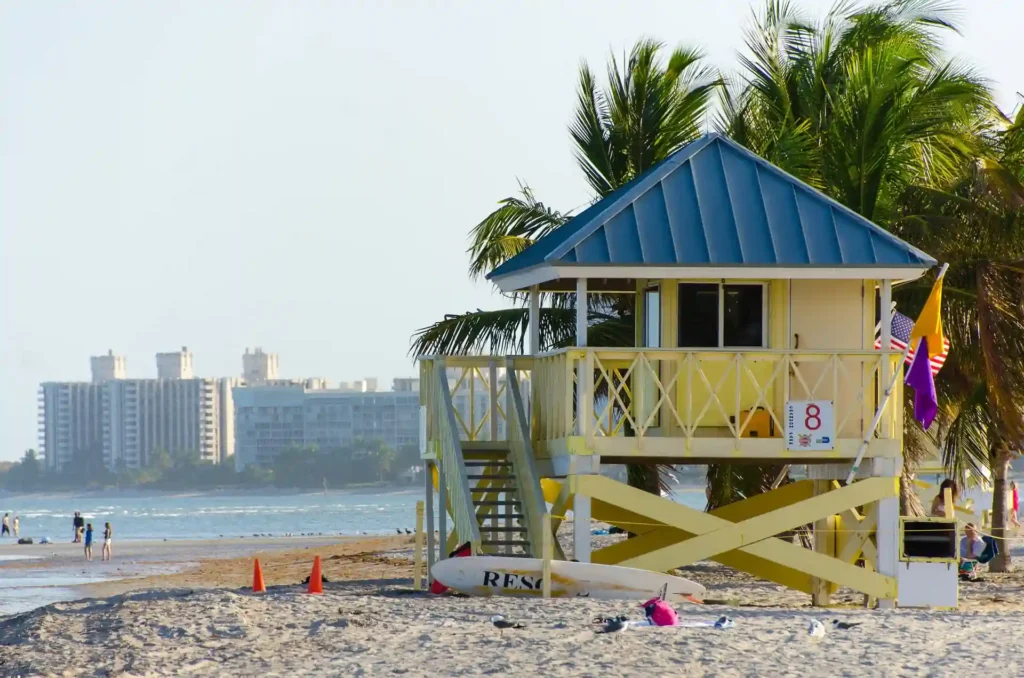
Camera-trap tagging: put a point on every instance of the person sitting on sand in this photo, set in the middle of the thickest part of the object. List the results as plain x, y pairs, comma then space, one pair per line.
88, 541
6, 529
972, 546
108, 535
939, 503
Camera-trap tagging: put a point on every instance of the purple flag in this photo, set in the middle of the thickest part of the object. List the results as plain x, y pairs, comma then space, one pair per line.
919, 377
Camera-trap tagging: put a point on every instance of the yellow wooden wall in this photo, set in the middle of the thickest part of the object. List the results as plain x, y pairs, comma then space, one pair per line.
826, 314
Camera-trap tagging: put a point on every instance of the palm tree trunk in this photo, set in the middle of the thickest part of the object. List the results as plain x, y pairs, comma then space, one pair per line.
910, 503
1000, 471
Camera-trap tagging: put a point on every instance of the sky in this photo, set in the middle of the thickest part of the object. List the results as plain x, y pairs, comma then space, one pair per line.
299, 176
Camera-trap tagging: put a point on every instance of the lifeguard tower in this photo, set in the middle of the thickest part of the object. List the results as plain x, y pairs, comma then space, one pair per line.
756, 312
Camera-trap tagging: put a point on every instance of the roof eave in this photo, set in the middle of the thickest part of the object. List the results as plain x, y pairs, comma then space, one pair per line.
542, 273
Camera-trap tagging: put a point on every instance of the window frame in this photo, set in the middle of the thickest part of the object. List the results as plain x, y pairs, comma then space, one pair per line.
645, 339
722, 284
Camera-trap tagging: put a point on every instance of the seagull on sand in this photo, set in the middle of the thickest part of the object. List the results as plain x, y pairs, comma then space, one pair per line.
501, 623
815, 629
614, 625
844, 626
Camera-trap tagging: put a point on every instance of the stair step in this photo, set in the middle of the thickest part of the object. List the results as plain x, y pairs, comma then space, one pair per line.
500, 502
506, 489
514, 530
502, 516
504, 542
485, 463
488, 476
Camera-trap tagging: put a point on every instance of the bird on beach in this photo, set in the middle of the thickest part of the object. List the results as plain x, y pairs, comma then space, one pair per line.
614, 625
815, 629
408, 531
844, 626
501, 623
398, 530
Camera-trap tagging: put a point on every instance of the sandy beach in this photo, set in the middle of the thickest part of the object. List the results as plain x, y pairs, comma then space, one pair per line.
201, 620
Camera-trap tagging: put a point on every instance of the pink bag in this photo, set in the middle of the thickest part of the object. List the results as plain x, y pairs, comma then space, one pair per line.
660, 613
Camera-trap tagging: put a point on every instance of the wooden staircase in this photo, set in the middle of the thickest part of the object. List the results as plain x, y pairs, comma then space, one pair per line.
496, 500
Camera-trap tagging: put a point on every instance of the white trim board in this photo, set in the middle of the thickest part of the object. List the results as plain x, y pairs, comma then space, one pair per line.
544, 273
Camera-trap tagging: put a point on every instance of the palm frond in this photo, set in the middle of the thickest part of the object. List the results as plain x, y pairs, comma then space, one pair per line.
508, 230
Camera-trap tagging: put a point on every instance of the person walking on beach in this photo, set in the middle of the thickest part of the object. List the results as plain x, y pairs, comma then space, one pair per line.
15, 526
1014, 515
88, 541
6, 529
108, 535
79, 524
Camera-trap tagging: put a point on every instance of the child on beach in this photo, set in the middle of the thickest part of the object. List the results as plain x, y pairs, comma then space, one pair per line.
108, 534
88, 541
16, 525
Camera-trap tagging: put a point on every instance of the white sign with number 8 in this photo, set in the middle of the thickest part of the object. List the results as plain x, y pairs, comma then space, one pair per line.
810, 425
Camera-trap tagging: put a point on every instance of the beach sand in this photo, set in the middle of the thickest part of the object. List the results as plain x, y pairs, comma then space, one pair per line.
203, 621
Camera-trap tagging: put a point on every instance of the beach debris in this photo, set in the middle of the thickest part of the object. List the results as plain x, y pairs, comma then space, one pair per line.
501, 623
815, 629
257, 578
844, 626
316, 578
724, 623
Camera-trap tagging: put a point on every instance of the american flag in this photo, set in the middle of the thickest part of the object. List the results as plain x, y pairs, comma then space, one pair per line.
901, 327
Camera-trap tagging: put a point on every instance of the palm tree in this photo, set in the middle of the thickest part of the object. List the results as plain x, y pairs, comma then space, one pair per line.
977, 225
648, 110
863, 105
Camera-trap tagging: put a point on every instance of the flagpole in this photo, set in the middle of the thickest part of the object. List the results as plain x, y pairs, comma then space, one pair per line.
885, 401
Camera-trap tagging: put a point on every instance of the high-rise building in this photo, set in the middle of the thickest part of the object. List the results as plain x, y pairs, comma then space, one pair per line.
174, 365
271, 419
70, 421
107, 367
405, 384
259, 367
145, 416
226, 417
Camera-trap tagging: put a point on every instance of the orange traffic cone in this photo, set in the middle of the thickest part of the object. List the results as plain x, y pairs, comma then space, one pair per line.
257, 578
316, 583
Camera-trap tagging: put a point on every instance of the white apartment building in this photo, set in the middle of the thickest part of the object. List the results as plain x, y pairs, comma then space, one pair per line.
107, 367
70, 421
127, 420
144, 416
259, 367
174, 365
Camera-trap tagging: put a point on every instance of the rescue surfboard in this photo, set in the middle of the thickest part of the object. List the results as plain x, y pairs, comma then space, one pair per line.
504, 576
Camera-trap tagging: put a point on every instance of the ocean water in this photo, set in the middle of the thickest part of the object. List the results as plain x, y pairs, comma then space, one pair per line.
152, 515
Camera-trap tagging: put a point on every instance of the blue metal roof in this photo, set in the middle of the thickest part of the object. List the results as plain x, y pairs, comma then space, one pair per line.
714, 203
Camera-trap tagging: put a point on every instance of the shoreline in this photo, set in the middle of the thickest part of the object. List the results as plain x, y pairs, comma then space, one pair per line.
60, 572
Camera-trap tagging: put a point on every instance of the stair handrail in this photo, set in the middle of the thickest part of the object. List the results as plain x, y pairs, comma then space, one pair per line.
521, 455
460, 499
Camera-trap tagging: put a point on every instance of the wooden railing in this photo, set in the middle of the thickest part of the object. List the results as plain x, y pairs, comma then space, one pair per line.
523, 465
479, 393
691, 394
443, 431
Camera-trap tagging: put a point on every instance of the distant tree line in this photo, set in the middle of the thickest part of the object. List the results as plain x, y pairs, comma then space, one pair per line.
361, 463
